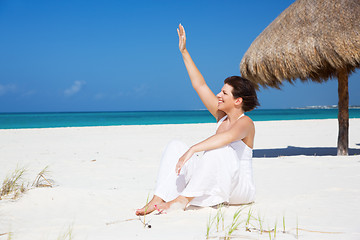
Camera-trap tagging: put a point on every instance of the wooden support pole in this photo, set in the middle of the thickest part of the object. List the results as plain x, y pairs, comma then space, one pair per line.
343, 115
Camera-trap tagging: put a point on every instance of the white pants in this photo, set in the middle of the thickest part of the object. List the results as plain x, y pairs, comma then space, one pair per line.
216, 177
169, 185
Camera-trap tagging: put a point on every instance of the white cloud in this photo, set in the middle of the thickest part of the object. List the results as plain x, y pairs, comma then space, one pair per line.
7, 88
75, 88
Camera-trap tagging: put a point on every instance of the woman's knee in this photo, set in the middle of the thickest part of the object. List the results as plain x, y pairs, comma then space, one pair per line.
176, 145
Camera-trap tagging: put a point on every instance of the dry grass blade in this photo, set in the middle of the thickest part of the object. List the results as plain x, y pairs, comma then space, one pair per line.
297, 228
239, 236
314, 231
120, 221
2, 234
11, 183
41, 180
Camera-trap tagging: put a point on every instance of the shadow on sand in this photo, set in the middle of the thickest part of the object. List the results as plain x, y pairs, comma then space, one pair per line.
295, 151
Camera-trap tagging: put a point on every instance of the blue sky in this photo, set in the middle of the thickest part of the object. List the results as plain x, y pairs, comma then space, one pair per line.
123, 55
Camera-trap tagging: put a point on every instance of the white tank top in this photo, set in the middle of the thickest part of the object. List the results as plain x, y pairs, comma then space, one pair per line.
243, 151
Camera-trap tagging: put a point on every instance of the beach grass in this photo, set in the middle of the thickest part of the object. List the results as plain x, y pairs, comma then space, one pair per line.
10, 236
275, 229
251, 224
67, 234
236, 221
208, 226
146, 208
12, 184
248, 219
297, 227
41, 180
260, 220
284, 231
219, 217
269, 234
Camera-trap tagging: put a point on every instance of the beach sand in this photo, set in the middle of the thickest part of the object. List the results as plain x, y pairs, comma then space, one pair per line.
102, 174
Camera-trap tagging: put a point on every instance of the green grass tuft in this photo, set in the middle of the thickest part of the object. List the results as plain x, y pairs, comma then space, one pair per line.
146, 208
249, 217
209, 225
260, 223
234, 224
67, 235
219, 217
284, 231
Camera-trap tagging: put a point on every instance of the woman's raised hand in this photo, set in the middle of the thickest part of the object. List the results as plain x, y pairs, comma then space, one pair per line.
182, 38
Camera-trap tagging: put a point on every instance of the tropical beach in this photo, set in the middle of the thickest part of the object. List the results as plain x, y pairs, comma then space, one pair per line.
100, 175
109, 130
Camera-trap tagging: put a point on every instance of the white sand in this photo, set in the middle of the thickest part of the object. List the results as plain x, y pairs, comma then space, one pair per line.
305, 181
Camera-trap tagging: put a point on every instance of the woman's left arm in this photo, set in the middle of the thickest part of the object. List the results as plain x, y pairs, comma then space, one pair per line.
237, 132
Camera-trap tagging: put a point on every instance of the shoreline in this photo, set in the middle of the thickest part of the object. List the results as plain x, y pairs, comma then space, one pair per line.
55, 120
168, 124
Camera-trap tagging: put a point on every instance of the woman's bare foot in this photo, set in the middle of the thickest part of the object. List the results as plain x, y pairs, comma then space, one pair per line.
150, 207
178, 203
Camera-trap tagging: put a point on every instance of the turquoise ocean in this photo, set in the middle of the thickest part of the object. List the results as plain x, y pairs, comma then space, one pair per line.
81, 119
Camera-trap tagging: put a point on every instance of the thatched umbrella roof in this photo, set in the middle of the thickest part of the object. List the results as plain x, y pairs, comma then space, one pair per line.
311, 39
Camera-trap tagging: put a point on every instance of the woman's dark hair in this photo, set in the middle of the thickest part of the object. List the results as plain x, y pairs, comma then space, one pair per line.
246, 90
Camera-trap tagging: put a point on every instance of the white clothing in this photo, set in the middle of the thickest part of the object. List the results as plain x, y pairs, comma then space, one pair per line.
219, 175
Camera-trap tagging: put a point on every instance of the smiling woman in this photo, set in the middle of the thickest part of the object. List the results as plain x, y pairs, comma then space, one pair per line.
224, 172
243, 88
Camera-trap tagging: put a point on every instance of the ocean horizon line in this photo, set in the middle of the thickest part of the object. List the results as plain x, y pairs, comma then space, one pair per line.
183, 110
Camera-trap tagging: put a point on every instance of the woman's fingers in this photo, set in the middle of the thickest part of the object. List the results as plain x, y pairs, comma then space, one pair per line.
182, 37
181, 31
184, 158
178, 169
179, 165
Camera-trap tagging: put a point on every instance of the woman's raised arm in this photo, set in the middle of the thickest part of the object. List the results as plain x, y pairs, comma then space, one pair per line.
197, 80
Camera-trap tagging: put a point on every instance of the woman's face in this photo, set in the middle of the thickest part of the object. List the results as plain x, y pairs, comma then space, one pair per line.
225, 97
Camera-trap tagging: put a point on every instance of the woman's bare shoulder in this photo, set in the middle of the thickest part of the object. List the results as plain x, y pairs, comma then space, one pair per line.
247, 118
247, 121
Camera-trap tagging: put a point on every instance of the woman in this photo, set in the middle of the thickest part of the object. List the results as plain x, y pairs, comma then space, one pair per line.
224, 172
